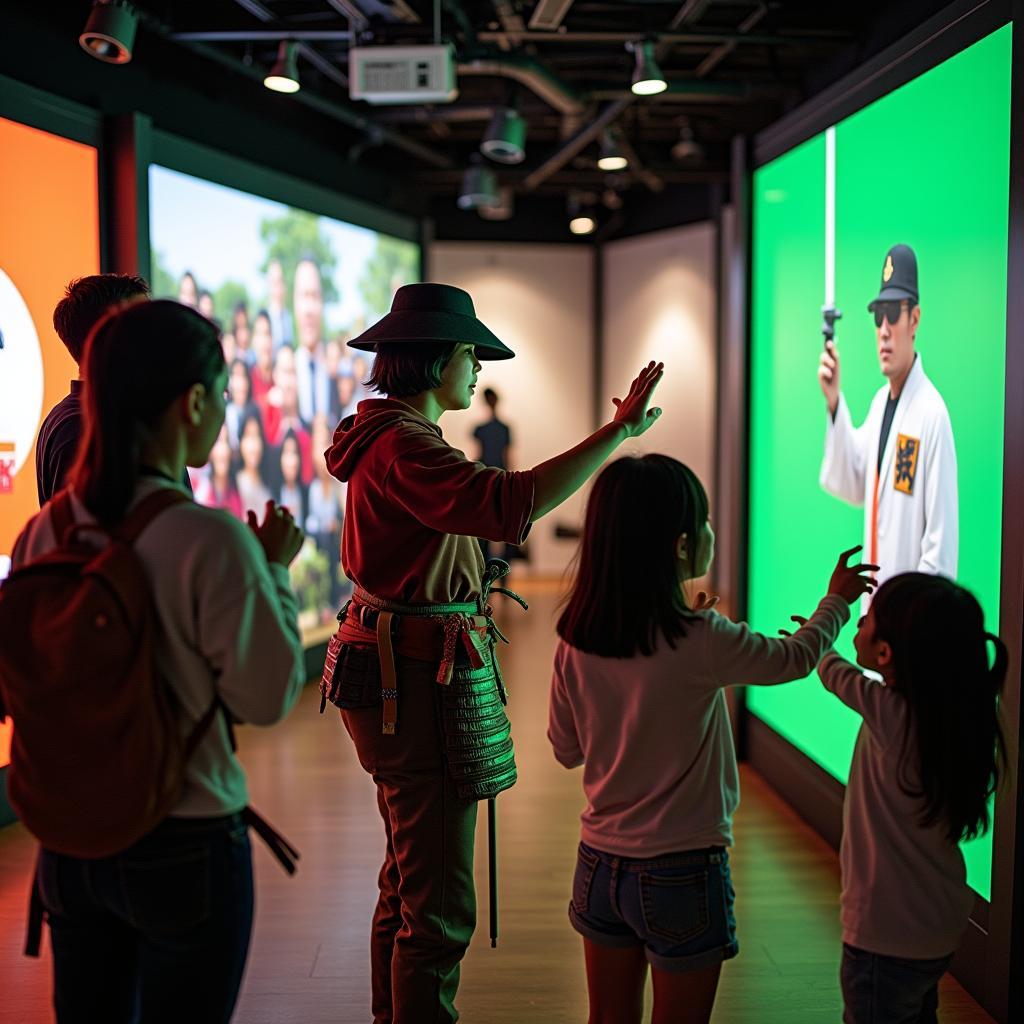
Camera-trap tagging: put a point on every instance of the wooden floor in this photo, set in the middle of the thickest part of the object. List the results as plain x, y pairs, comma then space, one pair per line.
309, 961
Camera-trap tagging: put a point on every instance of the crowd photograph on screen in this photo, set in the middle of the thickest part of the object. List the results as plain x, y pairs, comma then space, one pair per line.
287, 289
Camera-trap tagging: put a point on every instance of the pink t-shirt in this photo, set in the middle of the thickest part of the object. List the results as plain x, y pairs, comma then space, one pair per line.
653, 733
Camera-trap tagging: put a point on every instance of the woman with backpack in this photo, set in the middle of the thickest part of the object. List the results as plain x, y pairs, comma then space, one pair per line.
123, 762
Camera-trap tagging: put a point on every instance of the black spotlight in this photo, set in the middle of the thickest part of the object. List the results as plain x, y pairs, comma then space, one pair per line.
109, 34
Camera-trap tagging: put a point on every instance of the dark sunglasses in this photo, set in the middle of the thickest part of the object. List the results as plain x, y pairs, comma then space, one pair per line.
892, 310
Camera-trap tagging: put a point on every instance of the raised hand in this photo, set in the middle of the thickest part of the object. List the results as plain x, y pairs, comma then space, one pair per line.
852, 581
279, 535
633, 410
705, 601
828, 376
799, 620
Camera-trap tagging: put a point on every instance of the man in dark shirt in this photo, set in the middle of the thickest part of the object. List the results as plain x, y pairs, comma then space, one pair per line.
494, 436
83, 306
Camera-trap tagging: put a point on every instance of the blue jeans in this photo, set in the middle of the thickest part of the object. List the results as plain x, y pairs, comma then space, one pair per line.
888, 989
159, 932
679, 906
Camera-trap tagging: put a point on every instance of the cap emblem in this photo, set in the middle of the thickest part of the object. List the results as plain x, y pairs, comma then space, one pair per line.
887, 270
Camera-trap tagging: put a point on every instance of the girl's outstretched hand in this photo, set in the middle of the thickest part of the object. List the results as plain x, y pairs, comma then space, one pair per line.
852, 581
705, 601
632, 410
799, 620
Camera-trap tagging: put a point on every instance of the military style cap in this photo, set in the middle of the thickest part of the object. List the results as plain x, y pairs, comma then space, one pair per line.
899, 277
433, 312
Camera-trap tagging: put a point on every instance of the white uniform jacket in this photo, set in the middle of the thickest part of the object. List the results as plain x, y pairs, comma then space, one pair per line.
911, 519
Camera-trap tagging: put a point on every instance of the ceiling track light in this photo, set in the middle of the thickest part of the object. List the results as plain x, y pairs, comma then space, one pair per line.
582, 217
284, 75
647, 77
503, 209
612, 158
687, 148
109, 32
479, 188
505, 140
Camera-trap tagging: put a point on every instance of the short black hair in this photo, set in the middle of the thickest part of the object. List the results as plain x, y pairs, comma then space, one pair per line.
85, 302
404, 369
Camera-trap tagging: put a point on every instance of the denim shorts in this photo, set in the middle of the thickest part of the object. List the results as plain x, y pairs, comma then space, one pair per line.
679, 907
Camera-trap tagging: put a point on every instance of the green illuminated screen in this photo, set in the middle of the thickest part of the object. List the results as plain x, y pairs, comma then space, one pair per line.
927, 165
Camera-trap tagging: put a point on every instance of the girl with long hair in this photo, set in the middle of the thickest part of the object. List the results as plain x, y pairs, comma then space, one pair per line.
215, 487
160, 931
637, 698
251, 478
928, 757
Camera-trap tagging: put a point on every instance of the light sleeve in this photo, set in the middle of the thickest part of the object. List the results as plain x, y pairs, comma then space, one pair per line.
562, 732
940, 541
844, 466
736, 655
872, 700
247, 626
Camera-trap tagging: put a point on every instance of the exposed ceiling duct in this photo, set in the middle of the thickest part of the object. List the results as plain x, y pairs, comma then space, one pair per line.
548, 15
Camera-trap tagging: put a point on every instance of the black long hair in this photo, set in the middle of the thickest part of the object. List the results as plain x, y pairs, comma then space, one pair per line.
627, 589
138, 360
936, 630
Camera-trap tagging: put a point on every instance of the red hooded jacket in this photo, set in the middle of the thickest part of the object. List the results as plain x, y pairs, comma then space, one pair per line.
416, 506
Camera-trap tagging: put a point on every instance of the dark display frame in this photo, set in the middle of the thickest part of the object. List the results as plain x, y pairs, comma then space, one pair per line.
990, 956
35, 108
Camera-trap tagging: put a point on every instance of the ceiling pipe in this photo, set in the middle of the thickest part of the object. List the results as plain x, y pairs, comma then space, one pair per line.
532, 74
713, 59
375, 133
343, 115
576, 144
636, 168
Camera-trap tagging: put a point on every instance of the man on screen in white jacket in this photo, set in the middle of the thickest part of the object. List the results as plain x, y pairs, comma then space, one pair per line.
900, 464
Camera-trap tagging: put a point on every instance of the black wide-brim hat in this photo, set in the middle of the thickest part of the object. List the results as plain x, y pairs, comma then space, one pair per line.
433, 313
899, 277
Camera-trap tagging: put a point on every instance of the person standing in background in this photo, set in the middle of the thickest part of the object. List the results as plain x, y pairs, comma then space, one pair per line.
495, 440
86, 301
263, 359
188, 290
310, 358
281, 325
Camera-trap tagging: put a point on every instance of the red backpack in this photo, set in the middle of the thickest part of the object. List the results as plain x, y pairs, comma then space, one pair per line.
97, 760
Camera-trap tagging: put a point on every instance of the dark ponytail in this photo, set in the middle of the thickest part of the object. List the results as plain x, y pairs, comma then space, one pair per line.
940, 665
137, 361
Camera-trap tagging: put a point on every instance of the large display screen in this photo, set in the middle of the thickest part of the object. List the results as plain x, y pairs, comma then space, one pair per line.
926, 166
49, 234
287, 288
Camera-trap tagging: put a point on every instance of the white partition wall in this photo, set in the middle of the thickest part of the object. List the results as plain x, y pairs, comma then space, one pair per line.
659, 303
539, 300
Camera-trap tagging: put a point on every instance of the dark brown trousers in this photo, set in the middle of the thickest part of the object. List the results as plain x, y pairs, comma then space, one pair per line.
426, 910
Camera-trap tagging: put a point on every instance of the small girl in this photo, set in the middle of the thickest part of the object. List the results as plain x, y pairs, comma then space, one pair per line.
291, 492
638, 699
216, 488
250, 480
928, 757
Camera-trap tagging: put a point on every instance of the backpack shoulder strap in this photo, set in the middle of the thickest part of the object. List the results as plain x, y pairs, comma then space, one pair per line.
146, 511
62, 516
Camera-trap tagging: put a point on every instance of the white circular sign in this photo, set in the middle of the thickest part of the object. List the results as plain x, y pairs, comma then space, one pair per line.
21, 376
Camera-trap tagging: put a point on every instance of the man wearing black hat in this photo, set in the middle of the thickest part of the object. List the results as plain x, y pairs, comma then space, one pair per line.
412, 665
900, 464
